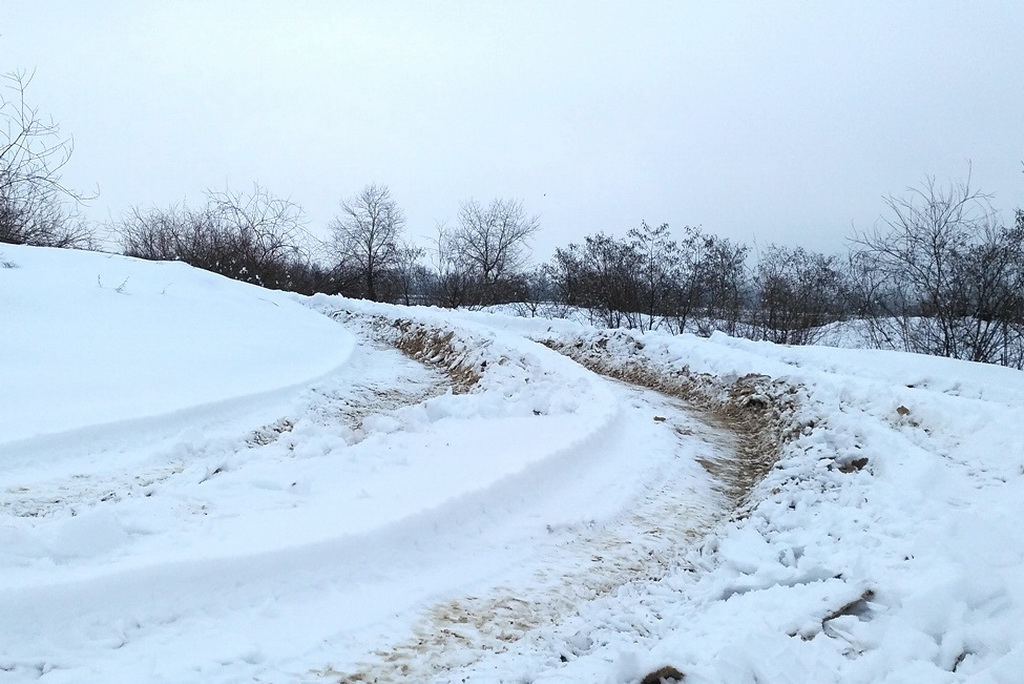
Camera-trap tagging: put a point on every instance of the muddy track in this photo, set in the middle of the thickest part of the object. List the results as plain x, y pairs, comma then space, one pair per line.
579, 565
744, 422
756, 409
430, 346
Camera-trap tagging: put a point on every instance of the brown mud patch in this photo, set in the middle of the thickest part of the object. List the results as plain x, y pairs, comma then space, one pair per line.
757, 409
429, 345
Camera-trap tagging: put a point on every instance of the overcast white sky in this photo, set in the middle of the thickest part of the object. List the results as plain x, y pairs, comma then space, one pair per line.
762, 121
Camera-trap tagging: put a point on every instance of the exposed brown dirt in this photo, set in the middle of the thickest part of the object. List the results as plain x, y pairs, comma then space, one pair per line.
428, 345
755, 408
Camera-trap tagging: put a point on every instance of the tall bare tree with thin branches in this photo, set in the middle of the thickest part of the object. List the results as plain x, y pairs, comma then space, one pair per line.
492, 244
366, 237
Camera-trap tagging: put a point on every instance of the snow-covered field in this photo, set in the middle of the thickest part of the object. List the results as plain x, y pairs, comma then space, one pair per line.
204, 481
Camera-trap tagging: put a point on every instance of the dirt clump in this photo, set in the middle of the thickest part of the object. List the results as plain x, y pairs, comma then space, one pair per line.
663, 675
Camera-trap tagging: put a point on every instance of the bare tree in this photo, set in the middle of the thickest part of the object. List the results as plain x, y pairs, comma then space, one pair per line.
689, 289
941, 276
409, 275
649, 280
366, 237
35, 207
492, 244
603, 277
722, 285
658, 257
452, 282
796, 293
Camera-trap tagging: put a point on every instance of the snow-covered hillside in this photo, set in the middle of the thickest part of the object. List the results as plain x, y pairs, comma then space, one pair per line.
204, 481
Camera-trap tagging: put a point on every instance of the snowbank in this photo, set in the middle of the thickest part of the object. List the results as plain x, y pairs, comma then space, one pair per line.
884, 546
91, 339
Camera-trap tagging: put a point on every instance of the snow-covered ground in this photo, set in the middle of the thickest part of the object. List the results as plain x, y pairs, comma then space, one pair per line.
204, 481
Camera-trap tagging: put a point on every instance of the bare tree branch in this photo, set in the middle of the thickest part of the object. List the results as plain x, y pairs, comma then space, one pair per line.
35, 207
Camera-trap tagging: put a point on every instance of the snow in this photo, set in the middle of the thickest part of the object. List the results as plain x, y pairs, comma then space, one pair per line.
205, 481
113, 329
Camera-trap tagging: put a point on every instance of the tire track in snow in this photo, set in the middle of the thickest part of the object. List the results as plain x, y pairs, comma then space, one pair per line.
338, 399
645, 543
176, 466
755, 409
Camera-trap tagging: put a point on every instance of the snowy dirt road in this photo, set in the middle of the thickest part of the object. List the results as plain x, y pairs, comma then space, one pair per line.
371, 526
556, 577
533, 611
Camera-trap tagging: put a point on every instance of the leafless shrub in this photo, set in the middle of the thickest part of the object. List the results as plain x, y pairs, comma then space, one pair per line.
717, 281
254, 237
941, 276
36, 208
601, 277
796, 293
648, 280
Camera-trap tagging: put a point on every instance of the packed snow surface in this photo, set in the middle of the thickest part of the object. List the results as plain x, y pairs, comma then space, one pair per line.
205, 481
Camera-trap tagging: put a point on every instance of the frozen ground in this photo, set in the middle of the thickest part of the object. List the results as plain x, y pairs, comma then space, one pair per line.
203, 481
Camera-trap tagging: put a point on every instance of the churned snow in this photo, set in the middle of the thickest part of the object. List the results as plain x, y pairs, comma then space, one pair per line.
205, 481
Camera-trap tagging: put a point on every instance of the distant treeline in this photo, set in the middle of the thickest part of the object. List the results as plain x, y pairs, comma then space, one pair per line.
938, 275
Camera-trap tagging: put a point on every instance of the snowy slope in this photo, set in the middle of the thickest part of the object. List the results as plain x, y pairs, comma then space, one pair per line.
204, 481
91, 339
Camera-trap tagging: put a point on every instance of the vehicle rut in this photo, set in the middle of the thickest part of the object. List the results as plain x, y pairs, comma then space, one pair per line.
741, 423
